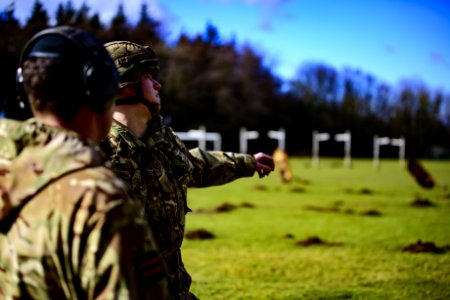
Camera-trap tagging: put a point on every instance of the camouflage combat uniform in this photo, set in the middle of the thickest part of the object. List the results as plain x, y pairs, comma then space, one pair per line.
68, 229
159, 168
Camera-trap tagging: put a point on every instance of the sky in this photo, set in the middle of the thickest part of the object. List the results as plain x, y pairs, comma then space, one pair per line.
393, 40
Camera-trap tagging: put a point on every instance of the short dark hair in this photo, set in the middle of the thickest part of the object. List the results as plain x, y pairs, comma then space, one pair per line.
52, 87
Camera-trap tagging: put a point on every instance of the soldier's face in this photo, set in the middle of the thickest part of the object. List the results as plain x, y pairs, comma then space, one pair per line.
150, 89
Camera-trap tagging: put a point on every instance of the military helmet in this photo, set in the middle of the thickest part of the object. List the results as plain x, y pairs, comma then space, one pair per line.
131, 60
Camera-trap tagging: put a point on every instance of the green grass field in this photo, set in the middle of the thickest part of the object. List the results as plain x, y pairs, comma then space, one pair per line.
364, 216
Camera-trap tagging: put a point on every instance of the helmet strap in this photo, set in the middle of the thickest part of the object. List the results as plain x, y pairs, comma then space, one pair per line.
153, 109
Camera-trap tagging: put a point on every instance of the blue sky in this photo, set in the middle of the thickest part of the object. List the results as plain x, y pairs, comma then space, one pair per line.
390, 39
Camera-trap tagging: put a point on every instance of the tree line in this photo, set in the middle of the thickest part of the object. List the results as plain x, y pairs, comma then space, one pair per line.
224, 86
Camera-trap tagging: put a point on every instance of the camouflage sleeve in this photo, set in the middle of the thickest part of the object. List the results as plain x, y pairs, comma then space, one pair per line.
217, 167
8, 277
93, 244
127, 262
112, 252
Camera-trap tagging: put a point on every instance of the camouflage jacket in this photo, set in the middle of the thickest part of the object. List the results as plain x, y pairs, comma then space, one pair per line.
159, 168
68, 228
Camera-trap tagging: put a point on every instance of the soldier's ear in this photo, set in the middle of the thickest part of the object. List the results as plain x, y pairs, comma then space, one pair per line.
128, 90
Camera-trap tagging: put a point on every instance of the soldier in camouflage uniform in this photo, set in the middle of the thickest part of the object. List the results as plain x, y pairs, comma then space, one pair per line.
156, 164
68, 227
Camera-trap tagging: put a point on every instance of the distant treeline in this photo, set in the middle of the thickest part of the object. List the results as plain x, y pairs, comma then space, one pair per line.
225, 86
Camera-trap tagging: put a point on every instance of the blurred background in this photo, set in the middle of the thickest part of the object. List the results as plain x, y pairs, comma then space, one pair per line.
373, 68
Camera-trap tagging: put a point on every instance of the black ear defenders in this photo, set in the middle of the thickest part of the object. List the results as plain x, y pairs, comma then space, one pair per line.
100, 79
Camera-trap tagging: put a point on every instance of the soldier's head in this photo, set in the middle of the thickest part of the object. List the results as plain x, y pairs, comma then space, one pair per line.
63, 69
138, 67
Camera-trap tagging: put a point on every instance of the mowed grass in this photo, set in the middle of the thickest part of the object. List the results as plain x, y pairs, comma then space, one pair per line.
255, 255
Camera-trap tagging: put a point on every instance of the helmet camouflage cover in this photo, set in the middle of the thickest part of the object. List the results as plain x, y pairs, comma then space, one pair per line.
131, 60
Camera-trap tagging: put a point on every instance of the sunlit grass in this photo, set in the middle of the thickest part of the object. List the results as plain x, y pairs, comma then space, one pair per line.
254, 253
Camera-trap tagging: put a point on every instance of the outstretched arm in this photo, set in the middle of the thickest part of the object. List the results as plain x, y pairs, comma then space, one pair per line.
217, 167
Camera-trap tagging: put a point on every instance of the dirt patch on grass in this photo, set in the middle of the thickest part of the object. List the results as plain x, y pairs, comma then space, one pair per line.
260, 187
422, 202
247, 205
289, 236
315, 241
362, 191
349, 211
297, 190
426, 247
321, 208
372, 213
225, 207
199, 234
365, 191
